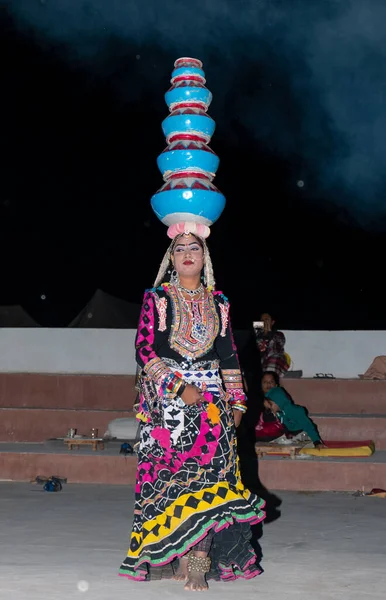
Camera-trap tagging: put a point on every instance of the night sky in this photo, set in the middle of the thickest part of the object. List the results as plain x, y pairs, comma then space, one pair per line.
299, 93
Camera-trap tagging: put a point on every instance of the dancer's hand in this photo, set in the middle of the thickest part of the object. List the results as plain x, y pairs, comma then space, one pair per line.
191, 395
237, 414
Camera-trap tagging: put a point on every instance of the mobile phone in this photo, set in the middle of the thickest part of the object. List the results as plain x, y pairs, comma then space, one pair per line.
258, 324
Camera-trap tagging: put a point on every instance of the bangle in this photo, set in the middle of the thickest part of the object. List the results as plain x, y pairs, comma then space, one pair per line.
240, 401
171, 384
181, 388
241, 407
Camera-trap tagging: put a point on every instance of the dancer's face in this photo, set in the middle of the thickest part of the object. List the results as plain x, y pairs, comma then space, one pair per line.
188, 256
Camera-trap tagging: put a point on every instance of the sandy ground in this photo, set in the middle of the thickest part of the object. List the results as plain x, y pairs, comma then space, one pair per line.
70, 544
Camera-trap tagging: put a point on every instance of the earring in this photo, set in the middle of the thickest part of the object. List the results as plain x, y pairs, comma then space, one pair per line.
174, 277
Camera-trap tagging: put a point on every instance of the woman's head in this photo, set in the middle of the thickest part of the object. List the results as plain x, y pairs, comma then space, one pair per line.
269, 381
271, 405
269, 322
187, 256
277, 399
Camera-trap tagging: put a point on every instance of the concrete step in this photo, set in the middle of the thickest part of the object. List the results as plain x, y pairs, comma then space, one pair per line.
23, 462
338, 396
116, 392
98, 392
353, 427
323, 474
39, 424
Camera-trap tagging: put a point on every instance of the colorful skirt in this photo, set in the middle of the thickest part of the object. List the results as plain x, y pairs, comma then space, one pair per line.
188, 483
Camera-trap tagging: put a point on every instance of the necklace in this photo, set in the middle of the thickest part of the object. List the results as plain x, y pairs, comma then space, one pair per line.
191, 293
199, 331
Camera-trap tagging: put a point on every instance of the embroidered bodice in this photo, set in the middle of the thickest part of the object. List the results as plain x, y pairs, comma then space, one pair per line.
195, 325
174, 331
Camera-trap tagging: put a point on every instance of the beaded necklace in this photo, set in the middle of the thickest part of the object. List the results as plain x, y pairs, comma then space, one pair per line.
199, 330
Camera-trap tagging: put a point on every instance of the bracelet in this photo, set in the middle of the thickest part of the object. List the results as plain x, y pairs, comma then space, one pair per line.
240, 400
181, 388
241, 407
172, 384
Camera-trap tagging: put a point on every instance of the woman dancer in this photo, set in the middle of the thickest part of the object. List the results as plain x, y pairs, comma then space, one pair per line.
190, 503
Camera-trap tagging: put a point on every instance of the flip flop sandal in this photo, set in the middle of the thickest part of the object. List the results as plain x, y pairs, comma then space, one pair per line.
324, 376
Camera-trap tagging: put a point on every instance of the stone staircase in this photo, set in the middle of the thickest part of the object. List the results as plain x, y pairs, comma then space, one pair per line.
35, 408
343, 409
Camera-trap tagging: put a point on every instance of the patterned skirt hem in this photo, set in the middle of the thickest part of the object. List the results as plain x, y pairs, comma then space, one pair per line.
231, 574
224, 574
139, 572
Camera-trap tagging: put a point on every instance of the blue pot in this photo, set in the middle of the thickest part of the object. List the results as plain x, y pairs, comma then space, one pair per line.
188, 94
181, 71
174, 206
194, 160
188, 123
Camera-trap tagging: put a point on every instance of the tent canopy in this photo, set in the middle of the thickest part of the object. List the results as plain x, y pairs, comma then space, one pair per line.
16, 316
104, 311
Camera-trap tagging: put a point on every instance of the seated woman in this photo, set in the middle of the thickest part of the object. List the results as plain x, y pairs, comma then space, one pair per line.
282, 416
271, 346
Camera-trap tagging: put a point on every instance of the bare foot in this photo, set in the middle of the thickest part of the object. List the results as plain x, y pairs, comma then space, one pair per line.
182, 571
196, 582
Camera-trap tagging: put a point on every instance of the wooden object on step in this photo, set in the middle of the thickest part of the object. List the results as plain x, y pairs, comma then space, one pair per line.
267, 448
95, 443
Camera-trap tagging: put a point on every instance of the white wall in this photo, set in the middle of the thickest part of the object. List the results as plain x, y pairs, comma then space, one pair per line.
345, 354
111, 351
104, 351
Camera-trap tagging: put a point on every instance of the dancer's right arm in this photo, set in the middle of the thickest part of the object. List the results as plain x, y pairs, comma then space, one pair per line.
168, 383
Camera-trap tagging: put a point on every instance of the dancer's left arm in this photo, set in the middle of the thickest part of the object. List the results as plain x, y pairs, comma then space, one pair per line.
229, 362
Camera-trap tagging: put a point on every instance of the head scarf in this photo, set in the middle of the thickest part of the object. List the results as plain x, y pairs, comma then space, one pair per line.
165, 265
279, 397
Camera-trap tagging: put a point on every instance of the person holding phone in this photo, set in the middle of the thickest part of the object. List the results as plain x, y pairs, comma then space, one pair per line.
270, 343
